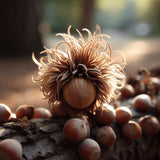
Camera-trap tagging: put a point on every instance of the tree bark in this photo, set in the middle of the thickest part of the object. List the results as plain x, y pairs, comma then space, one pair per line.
87, 15
43, 139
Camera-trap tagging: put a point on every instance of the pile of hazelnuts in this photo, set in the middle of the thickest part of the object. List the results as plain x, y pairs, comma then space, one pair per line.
93, 133
11, 149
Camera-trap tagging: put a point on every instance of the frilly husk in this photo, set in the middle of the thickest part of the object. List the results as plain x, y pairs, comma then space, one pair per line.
91, 59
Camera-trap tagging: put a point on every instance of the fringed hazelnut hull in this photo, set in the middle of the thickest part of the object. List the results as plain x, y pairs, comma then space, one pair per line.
83, 73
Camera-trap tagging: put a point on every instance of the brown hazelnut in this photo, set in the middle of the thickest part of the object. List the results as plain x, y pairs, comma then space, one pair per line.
105, 115
75, 130
89, 149
79, 93
127, 91
58, 109
157, 105
132, 130
156, 83
142, 102
150, 124
41, 113
5, 113
123, 114
105, 136
25, 110
10, 149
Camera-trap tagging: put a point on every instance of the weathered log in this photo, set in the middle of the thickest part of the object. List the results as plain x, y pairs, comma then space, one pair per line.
43, 139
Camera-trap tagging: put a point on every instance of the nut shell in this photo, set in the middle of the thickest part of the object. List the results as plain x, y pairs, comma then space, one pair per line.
150, 124
10, 149
79, 93
58, 109
89, 149
105, 115
127, 91
105, 136
25, 110
132, 130
157, 106
41, 113
5, 113
76, 130
123, 115
142, 102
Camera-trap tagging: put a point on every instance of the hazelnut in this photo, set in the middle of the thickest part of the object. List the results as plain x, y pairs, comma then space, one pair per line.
132, 130
5, 113
89, 149
156, 83
150, 124
157, 105
76, 130
127, 91
105, 115
25, 110
41, 113
10, 149
105, 136
79, 93
142, 102
58, 109
123, 114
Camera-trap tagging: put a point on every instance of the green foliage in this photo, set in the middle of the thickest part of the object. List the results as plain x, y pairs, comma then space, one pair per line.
149, 11
115, 14
59, 14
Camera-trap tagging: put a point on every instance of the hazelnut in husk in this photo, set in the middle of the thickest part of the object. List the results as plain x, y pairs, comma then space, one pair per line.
83, 73
79, 93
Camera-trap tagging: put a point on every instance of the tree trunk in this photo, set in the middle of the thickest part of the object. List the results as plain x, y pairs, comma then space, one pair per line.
87, 15
19, 28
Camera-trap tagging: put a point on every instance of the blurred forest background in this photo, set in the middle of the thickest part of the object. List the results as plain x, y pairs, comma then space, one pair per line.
28, 25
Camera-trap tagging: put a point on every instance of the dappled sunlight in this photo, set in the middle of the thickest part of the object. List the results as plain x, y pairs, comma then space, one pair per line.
142, 53
136, 50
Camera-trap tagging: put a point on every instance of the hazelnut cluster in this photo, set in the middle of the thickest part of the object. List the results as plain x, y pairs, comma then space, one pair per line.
94, 132
11, 149
81, 75
131, 102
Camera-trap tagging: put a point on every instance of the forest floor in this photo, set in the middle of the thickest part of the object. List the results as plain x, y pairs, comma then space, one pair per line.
17, 87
